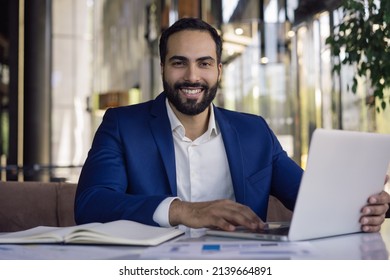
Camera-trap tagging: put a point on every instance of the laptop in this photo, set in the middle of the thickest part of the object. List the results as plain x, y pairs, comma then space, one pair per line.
343, 169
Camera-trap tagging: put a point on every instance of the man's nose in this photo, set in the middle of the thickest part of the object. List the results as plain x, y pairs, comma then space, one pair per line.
192, 73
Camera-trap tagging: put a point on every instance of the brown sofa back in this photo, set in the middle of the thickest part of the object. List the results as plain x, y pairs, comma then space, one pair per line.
25, 205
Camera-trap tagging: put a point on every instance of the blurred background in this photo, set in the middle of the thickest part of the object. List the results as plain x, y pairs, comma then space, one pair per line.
64, 62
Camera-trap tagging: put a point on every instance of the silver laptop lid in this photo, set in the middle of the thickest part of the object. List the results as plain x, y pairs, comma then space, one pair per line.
344, 168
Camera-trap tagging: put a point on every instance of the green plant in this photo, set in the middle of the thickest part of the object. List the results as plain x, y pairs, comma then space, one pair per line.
364, 37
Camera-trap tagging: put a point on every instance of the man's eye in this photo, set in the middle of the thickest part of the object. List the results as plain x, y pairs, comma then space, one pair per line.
205, 64
178, 63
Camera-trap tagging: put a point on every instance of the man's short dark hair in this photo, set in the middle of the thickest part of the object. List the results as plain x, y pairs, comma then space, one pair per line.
189, 24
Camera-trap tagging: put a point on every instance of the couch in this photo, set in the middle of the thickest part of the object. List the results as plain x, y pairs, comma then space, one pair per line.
25, 205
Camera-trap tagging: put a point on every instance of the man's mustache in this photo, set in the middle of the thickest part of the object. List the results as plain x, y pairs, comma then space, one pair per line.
187, 84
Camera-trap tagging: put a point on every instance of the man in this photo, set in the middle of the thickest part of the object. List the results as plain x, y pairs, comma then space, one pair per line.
179, 160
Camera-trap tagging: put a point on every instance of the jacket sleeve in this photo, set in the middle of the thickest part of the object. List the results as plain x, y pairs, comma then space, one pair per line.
286, 176
104, 190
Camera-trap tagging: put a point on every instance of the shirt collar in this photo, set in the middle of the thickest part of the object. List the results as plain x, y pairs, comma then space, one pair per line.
178, 128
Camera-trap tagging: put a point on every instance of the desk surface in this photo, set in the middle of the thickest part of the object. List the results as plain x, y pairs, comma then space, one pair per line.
347, 247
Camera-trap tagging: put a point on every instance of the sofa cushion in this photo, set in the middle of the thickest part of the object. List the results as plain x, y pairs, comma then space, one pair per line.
25, 205
65, 204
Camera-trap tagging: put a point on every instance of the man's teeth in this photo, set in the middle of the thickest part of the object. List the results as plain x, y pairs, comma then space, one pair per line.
191, 91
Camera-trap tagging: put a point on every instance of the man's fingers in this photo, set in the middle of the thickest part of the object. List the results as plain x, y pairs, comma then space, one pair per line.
371, 228
381, 198
224, 214
375, 210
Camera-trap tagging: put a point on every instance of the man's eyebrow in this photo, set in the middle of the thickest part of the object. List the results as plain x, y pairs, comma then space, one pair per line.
177, 57
183, 58
205, 58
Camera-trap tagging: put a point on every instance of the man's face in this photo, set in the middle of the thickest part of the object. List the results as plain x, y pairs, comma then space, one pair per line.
191, 72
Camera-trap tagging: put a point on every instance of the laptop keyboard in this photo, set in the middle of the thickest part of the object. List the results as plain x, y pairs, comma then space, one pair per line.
283, 230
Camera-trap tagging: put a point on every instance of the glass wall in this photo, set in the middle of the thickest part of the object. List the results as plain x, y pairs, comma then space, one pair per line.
257, 67
101, 59
326, 100
105, 53
71, 84
4, 116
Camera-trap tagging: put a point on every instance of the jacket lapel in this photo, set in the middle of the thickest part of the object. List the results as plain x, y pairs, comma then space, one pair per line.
233, 153
161, 130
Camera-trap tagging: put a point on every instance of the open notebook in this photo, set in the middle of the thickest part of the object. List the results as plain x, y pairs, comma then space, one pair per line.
121, 232
344, 168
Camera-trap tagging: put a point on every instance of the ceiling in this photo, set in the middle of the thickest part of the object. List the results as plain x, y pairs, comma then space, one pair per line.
307, 8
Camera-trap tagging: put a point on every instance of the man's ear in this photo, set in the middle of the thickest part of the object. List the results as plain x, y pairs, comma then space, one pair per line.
161, 68
219, 72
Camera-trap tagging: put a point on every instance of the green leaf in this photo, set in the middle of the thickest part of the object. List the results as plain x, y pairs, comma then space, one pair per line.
354, 85
364, 34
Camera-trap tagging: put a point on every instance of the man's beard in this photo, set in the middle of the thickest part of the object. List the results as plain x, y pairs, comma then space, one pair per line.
190, 106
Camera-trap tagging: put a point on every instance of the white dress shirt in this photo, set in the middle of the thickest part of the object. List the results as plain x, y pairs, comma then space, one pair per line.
202, 169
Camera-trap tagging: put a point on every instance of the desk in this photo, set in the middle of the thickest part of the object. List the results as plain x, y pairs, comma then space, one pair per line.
346, 247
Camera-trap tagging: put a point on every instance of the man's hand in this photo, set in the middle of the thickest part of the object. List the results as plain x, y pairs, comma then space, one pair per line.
373, 214
224, 214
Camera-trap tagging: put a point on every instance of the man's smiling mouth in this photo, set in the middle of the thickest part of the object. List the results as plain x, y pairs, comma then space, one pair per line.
191, 91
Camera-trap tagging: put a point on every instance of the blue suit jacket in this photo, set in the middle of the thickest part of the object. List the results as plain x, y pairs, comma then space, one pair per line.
130, 168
